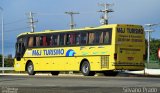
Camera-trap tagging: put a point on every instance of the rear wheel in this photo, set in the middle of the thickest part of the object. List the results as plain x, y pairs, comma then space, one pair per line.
110, 73
30, 69
55, 72
85, 69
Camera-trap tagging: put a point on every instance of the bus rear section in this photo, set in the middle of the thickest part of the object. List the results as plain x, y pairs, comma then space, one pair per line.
130, 47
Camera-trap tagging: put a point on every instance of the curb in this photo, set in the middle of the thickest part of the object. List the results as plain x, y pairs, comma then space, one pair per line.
146, 71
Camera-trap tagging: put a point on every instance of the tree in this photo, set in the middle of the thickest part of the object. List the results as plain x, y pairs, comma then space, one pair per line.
154, 45
8, 62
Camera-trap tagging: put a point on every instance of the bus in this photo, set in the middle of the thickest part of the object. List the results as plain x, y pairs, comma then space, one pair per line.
89, 50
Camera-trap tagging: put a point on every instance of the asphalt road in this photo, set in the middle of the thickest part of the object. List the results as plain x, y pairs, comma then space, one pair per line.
77, 84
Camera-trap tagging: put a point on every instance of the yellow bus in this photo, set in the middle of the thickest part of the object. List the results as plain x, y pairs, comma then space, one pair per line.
106, 48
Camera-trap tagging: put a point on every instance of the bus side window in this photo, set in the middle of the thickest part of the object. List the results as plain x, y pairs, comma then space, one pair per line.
55, 40
68, 39
61, 40
77, 38
91, 37
37, 41
40, 40
83, 38
101, 38
106, 38
34, 41
44, 41
98, 37
48, 40
51, 41
30, 42
71, 39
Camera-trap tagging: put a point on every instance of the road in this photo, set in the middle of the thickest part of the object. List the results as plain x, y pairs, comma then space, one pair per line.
72, 84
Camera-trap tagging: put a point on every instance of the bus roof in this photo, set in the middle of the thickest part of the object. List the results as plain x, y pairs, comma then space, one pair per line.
86, 28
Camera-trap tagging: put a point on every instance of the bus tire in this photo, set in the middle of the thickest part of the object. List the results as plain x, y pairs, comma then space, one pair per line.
30, 69
110, 73
85, 69
54, 72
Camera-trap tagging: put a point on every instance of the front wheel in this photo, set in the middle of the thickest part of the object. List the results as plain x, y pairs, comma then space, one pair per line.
85, 69
30, 69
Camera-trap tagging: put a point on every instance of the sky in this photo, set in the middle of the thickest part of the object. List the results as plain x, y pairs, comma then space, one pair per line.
50, 15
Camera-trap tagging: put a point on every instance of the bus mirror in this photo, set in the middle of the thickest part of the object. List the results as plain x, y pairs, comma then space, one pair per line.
18, 56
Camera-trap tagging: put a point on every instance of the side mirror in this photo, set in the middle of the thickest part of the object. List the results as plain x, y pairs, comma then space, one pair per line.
18, 57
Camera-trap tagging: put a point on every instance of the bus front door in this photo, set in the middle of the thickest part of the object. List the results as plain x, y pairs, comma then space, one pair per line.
20, 49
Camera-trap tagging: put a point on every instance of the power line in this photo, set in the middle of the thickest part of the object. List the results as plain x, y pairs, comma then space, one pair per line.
12, 30
44, 14
59, 14
13, 22
16, 21
150, 26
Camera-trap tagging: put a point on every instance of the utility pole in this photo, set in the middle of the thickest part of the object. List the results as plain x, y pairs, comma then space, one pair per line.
31, 21
148, 56
2, 23
72, 20
104, 19
149, 31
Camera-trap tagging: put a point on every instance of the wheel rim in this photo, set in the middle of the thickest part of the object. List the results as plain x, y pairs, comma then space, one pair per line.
30, 68
85, 68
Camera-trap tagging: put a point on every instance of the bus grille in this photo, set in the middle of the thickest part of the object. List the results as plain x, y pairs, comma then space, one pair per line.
104, 61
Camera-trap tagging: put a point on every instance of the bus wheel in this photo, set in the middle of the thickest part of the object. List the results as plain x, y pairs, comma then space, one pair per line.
110, 73
85, 69
55, 72
30, 69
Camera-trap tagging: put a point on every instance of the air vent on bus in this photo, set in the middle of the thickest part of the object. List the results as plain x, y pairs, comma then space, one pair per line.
104, 61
